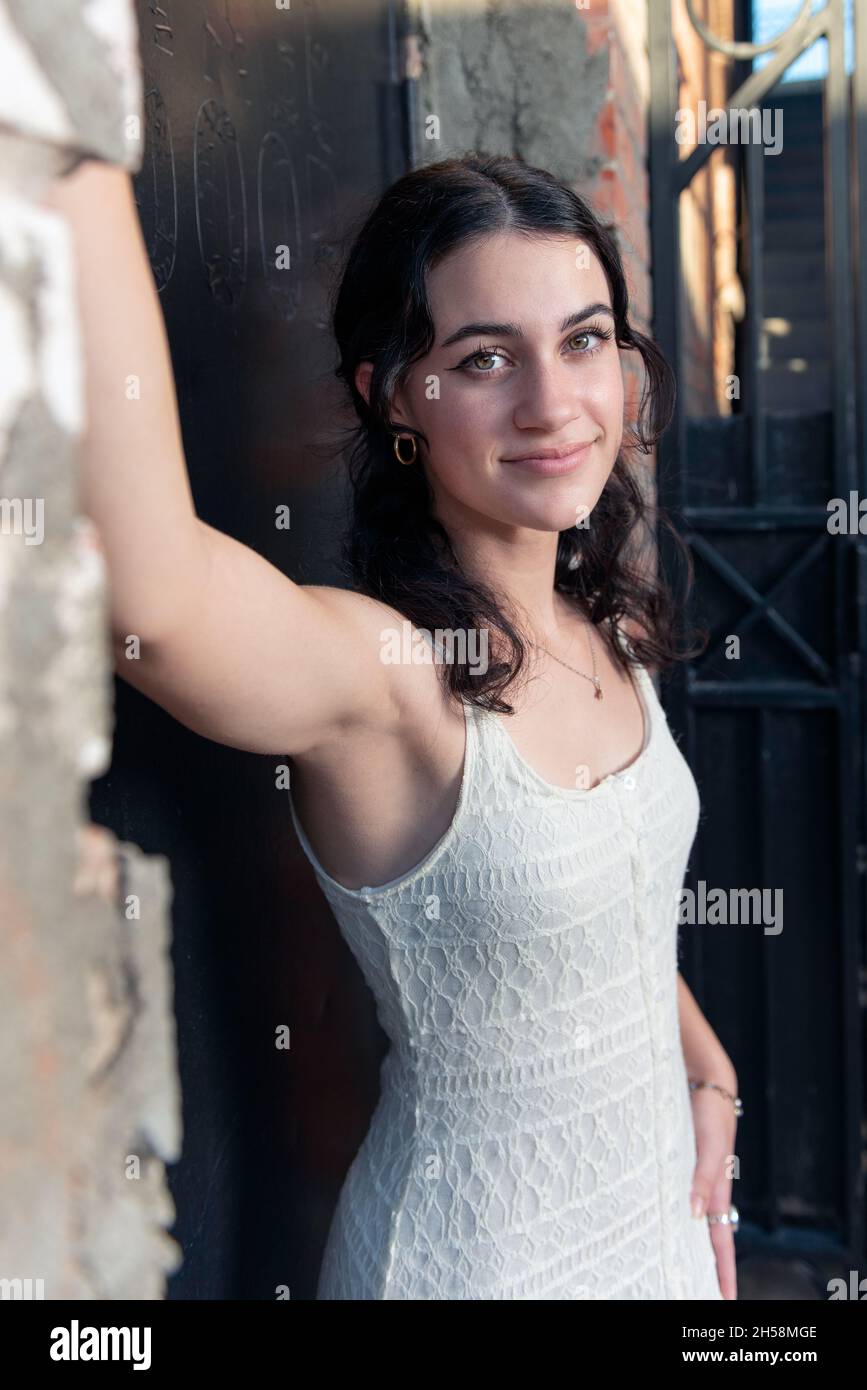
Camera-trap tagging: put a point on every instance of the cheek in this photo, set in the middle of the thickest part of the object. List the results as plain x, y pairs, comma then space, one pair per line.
604, 398
463, 433
465, 423
607, 385
617, 391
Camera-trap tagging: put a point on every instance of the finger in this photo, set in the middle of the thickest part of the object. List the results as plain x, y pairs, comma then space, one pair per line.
723, 1241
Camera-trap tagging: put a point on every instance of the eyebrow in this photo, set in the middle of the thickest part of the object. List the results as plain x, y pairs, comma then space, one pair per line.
514, 330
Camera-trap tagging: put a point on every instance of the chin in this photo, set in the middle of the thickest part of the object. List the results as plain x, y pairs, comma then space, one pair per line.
561, 517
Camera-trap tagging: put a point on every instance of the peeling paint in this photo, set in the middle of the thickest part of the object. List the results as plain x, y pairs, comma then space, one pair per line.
88, 1052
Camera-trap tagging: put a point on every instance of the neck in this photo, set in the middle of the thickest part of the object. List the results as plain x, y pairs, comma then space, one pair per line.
518, 566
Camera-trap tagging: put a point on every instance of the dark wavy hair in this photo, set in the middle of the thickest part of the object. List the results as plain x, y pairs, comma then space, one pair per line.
394, 549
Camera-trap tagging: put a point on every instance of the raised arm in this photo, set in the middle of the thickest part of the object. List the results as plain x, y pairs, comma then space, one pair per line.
228, 645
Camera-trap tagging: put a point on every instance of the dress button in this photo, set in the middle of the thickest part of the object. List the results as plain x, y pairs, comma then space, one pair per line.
629, 783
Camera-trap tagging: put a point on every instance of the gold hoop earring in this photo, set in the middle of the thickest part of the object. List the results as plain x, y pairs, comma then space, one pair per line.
411, 438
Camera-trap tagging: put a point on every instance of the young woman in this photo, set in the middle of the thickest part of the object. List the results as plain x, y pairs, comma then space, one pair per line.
495, 809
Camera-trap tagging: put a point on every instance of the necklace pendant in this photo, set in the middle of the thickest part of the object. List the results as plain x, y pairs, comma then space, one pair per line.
599, 695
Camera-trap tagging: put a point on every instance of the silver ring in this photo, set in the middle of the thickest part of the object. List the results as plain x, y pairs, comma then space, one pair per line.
725, 1218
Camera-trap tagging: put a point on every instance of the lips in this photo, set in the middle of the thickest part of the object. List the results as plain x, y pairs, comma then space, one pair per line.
564, 451
552, 463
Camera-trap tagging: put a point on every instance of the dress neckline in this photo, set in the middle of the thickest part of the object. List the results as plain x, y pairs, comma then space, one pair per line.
606, 783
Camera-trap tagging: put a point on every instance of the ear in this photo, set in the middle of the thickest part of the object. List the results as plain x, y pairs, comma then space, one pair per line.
363, 373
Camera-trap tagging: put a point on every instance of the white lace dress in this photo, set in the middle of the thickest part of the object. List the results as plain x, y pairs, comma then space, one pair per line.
533, 1137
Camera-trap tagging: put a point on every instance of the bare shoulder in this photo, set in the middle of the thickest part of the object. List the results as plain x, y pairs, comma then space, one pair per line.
633, 630
412, 686
367, 612
370, 621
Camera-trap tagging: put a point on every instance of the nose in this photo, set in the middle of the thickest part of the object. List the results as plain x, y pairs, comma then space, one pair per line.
549, 399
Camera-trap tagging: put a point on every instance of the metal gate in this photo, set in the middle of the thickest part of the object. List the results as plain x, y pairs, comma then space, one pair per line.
773, 727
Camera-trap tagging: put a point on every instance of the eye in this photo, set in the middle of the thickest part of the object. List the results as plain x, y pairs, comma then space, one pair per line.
482, 352
469, 364
596, 330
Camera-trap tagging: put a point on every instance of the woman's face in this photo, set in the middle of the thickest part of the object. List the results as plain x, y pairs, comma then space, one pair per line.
528, 370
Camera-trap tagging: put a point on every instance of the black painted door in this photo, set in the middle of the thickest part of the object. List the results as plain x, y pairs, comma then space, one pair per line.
771, 715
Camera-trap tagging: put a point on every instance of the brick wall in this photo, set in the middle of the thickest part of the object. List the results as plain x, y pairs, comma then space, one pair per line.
711, 291
617, 31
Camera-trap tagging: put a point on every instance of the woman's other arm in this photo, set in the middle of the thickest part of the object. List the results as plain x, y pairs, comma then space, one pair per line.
705, 1057
228, 645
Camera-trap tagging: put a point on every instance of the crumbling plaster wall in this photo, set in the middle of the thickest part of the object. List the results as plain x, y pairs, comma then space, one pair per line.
90, 1101
510, 76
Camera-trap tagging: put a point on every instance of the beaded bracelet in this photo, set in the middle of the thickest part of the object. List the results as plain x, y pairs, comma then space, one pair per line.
712, 1085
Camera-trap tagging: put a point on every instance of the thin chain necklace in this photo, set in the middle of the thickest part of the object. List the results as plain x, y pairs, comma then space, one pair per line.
594, 678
